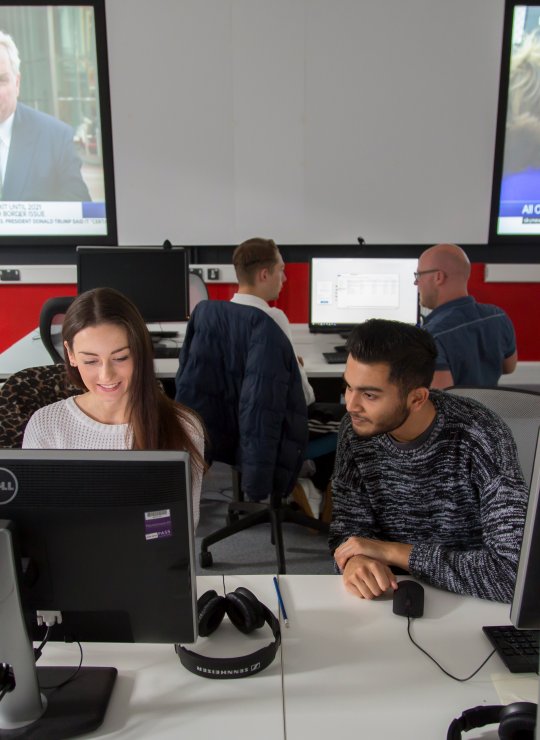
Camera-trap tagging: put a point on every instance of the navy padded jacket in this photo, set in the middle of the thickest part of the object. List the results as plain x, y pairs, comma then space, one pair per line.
238, 371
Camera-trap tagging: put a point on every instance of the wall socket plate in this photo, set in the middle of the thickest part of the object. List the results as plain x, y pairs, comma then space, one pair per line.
10, 275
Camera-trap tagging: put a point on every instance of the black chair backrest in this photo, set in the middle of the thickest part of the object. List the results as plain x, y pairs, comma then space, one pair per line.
52, 309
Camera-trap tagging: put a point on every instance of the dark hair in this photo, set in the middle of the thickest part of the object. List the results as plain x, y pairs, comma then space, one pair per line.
254, 255
409, 351
157, 421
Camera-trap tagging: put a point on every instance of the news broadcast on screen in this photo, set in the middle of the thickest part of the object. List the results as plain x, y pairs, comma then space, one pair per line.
55, 141
517, 167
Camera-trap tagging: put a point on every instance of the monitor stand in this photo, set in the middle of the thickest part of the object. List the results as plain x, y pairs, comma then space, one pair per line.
38, 707
74, 709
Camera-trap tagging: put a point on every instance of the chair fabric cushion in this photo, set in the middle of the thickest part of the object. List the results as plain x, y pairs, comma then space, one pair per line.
26, 391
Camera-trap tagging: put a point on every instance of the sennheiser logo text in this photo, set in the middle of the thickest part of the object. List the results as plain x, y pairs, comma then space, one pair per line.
225, 671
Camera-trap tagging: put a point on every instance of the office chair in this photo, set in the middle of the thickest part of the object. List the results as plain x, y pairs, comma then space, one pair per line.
50, 325
197, 290
27, 391
520, 409
238, 371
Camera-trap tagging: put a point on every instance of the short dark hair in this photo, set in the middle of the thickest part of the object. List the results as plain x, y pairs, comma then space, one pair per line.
409, 351
253, 255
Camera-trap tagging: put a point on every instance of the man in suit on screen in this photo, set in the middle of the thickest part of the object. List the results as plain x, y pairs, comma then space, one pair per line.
38, 160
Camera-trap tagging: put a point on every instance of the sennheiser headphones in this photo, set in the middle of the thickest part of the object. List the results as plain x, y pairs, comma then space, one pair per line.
516, 721
247, 614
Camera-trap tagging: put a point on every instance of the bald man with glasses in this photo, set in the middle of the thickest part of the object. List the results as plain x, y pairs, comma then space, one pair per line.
476, 342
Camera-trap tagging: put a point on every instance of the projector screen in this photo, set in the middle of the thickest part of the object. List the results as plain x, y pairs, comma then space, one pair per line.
515, 211
56, 167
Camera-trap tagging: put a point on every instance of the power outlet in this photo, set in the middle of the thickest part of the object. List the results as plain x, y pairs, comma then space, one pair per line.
10, 275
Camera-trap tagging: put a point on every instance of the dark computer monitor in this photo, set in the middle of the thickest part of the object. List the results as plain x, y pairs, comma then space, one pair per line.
156, 279
346, 291
105, 538
525, 610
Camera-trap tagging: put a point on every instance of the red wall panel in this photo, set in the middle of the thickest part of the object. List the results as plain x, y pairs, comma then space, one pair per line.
520, 301
20, 304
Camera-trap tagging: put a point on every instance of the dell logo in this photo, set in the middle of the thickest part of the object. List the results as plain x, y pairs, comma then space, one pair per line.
8, 486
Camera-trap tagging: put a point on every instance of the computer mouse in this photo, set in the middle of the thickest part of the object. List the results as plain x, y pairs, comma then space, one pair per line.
408, 599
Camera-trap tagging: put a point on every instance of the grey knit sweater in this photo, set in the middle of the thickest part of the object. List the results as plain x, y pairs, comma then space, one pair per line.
459, 498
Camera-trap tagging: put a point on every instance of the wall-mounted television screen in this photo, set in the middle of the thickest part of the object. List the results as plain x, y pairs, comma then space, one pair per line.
515, 205
56, 164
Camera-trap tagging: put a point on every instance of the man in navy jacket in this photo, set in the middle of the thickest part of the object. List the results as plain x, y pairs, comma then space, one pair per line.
38, 161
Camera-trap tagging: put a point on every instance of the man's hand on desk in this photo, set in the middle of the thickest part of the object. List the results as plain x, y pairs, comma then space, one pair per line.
366, 578
365, 564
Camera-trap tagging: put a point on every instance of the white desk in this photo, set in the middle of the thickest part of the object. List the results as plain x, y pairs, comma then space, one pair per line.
29, 352
347, 667
156, 697
350, 668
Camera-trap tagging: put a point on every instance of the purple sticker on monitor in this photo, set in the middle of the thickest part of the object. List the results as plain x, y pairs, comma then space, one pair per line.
157, 524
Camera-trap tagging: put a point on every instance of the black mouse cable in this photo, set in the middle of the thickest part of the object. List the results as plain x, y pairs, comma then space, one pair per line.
450, 675
38, 652
72, 675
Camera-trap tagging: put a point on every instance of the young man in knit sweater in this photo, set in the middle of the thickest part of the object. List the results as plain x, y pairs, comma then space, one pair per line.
424, 481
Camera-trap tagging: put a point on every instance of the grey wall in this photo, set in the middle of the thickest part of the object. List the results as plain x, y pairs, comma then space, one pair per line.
311, 121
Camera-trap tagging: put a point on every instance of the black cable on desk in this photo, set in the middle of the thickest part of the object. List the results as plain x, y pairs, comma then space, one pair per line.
450, 675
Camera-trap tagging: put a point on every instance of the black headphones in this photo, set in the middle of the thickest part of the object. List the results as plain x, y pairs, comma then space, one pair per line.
247, 614
516, 721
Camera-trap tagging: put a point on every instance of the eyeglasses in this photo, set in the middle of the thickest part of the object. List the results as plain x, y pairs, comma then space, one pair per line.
424, 272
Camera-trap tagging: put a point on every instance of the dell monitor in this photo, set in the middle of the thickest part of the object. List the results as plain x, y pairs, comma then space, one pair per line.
104, 538
345, 291
156, 279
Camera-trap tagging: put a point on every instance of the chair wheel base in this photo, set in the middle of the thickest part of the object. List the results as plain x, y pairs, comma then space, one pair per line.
206, 560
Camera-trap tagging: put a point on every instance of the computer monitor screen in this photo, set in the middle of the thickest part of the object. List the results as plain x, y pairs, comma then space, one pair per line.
105, 539
525, 610
156, 279
346, 291
515, 202
57, 175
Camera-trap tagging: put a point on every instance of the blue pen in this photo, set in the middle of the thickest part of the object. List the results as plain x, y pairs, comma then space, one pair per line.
281, 604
